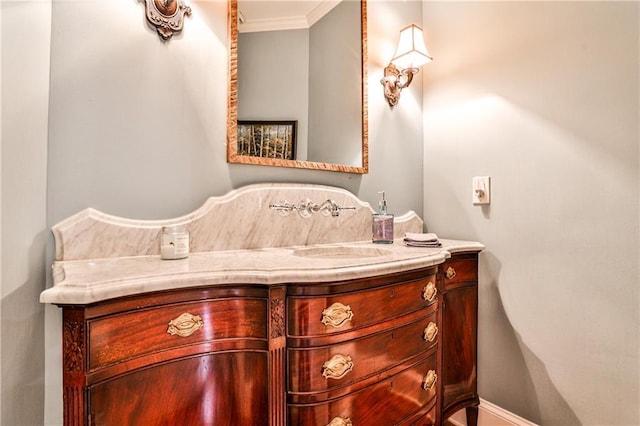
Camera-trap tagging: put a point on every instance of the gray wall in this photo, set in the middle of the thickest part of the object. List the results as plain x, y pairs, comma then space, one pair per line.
335, 128
544, 98
25, 30
136, 127
273, 79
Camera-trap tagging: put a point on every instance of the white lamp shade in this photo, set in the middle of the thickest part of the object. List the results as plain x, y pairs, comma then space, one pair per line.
411, 51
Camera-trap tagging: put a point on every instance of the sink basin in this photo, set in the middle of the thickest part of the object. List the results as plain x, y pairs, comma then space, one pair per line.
338, 252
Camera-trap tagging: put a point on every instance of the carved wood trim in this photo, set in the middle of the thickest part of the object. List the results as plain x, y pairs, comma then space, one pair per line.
73, 337
74, 406
277, 317
277, 357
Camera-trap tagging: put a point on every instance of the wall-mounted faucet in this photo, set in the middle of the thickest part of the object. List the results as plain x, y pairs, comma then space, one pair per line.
307, 208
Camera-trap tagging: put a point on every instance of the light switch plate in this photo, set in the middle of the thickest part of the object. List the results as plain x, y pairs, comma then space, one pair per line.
481, 190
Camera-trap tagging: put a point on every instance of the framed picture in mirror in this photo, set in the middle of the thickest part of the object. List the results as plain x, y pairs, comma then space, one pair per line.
267, 139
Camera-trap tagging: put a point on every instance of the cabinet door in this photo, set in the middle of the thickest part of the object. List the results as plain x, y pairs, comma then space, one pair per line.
460, 324
459, 357
213, 389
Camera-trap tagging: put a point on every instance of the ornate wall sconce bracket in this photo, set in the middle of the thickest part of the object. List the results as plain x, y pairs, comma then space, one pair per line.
166, 15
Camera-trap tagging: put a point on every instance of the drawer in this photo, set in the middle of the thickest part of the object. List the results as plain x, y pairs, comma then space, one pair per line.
136, 333
388, 402
314, 316
427, 419
210, 389
458, 270
329, 367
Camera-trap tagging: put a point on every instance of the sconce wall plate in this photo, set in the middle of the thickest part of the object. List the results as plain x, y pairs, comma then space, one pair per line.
166, 15
394, 81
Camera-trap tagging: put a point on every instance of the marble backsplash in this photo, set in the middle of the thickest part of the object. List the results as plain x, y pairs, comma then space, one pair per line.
241, 219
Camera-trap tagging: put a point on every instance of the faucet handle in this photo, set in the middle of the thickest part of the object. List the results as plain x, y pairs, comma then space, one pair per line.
333, 208
338, 208
282, 207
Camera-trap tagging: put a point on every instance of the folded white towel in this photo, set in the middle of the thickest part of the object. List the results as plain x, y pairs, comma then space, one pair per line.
421, 240
420, 237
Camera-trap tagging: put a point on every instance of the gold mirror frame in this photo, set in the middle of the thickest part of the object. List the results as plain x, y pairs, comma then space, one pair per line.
232, 107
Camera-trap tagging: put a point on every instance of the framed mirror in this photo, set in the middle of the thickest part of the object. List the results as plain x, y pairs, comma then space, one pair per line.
310, 72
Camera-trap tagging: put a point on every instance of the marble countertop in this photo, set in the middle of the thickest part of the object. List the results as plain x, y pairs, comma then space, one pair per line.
87, 281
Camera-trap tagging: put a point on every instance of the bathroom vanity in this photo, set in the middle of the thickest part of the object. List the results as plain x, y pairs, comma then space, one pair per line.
275, 318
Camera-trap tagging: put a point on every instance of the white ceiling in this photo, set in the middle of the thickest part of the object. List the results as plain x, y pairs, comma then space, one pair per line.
270, 15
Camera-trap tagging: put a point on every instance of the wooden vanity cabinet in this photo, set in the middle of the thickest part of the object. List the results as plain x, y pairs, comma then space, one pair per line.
363, 352
459, 309
398, 349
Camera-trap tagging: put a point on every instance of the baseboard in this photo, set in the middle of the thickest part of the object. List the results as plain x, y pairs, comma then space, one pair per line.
491, 415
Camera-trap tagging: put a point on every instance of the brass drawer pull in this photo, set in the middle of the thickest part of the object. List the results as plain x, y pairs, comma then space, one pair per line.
185, 325
429, 292
429, 380
337, 315
450, 273
337, 367
340, 421
430, 332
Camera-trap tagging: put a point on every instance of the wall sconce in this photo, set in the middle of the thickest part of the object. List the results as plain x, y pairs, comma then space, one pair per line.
411, 53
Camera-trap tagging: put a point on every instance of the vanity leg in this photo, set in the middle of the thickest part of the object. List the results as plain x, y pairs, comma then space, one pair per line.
74, 332
472, 415
277, 357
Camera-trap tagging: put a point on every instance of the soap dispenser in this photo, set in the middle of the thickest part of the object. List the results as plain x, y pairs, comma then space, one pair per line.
382, 229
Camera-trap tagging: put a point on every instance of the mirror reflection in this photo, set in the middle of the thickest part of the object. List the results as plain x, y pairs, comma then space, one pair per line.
299, 62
